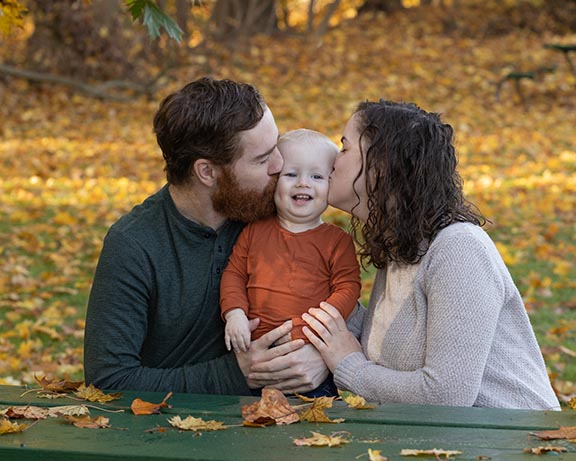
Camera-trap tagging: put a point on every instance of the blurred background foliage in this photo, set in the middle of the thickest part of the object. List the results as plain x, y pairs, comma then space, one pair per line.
81, 80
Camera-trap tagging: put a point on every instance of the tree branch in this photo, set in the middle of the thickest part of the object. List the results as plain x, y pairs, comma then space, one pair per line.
98, 91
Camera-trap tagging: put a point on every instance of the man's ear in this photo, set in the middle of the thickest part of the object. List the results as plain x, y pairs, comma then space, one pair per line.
205, 171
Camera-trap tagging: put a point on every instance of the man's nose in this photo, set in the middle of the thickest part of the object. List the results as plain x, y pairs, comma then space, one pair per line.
276, 162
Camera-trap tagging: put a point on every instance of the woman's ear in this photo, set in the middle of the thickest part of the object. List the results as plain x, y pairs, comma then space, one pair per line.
205, 172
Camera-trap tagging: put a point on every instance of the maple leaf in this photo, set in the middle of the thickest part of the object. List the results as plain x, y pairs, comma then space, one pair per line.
374, 455
542, 450
86, 422
7, 427
195, 424
315, 414
565, 432
56, 385
139, 407
93, 394
433, 452
321, 440
272, 406
355, 401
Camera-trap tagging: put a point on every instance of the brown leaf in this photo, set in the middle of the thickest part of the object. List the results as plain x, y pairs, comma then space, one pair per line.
572, 403
7, 427
565, 432
56, 385
315, 414
93, 394
321, 440
196, 424
273, 405
543, 450
27, 412
86, 422
139, 407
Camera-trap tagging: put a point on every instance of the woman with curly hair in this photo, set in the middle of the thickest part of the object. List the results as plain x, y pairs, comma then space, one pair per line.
445, 324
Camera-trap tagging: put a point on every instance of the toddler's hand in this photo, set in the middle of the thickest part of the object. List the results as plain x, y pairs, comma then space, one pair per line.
237, 331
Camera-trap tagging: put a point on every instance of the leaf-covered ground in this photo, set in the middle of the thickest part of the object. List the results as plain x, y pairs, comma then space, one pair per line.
71, 165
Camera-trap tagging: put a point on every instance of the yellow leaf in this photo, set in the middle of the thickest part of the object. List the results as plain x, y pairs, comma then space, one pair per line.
355, 401
374, 455
7, 427
321, 440
315, 414
93, 394
195, 424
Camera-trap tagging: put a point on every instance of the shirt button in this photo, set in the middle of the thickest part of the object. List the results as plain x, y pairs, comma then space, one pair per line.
218, 270
206, 235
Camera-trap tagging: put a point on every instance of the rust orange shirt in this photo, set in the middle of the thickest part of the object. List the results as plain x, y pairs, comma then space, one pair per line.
277, 275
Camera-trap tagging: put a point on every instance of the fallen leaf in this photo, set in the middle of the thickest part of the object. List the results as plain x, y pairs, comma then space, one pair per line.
56, 385
86, 422
316, 414
433, 452
26, 412
565, 432
355, 401
542, 450
374, 455
572, 403
321, 440
272, 406
195, 424
93, 394
139, 407
68, 410
7, 427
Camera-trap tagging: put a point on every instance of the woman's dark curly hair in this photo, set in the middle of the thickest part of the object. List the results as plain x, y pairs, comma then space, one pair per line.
412, 184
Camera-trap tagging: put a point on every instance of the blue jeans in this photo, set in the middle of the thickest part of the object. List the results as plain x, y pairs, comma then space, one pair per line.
326, 389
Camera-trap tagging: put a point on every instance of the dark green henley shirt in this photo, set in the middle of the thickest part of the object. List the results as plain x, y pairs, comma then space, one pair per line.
153, 320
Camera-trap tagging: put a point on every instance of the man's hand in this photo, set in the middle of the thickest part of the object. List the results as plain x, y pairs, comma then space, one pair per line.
237, 330
290, 367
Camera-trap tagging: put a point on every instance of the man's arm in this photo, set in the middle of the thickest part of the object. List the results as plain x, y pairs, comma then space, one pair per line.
117, 327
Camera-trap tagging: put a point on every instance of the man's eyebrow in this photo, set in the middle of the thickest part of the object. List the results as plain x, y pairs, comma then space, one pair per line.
265, 154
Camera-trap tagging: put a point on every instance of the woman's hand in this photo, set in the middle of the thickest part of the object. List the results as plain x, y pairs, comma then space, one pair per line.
328, 333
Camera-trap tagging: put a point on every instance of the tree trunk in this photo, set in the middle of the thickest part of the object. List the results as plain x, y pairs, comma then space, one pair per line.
387, 6
243, 18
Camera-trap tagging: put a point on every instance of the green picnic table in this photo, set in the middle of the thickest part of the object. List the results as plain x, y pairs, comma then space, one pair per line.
478, 433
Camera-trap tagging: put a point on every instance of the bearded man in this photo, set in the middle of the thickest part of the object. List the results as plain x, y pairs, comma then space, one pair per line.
153, 321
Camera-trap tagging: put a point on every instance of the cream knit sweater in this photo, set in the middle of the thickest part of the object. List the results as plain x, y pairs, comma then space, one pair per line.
451, 330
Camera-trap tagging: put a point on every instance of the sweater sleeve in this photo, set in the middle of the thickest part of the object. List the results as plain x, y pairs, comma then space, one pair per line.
463, 294
116, 328
233, 286
345, 282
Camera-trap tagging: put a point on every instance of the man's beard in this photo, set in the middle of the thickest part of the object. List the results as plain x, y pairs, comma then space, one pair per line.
240, 204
